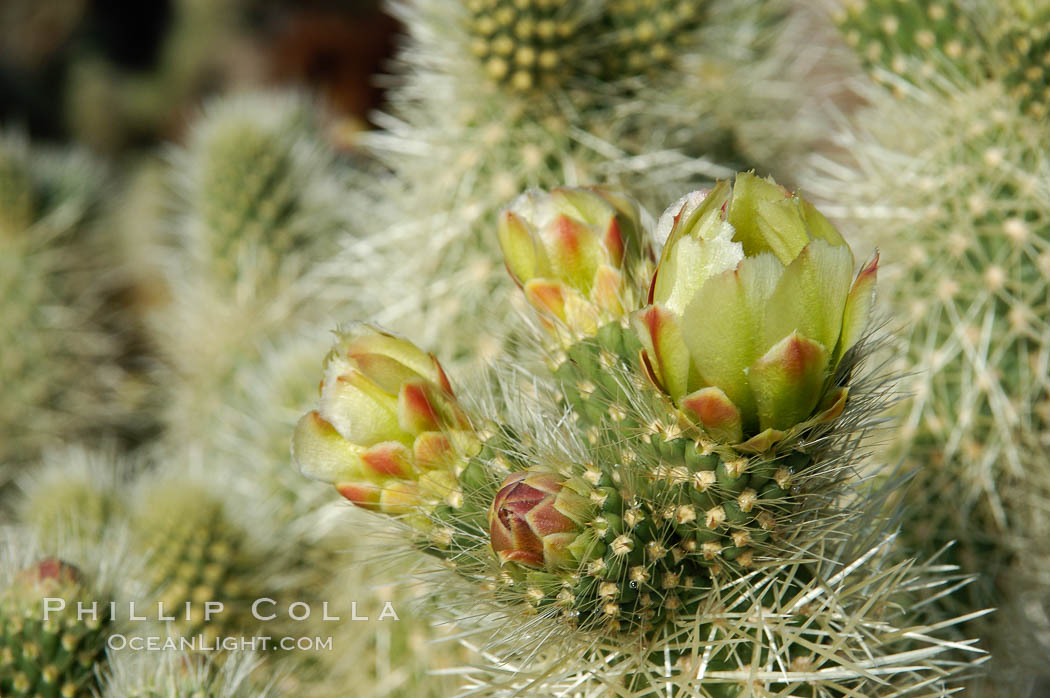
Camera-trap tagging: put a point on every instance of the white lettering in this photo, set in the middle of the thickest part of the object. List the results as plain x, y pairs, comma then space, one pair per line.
306, 612
324, 613
255, 609
388, 610
48, 607
90, 609
212, 607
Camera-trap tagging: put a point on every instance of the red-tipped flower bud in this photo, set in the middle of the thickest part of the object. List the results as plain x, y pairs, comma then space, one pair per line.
538, 519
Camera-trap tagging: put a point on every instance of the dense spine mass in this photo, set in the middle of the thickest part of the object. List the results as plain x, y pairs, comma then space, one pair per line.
1023, 43
197, 554
911, 40
969, 222
60, 367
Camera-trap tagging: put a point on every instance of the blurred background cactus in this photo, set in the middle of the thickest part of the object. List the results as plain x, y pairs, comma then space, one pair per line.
946, 171
62, 362
186, 674
603, 504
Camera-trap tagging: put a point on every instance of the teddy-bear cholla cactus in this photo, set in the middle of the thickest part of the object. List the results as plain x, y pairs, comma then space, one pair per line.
197, 552
640, 36
1022, 48
530, 44
73, 493
54, 657
527, 44
254, 209
700, 500
249, 197
173, 673
17, 192
1004, 41
777, 631
59, 366
907, 39
967, 222
256, 441
751, 313
600, 534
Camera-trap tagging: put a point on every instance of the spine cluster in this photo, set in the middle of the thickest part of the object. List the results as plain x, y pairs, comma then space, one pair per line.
968, 221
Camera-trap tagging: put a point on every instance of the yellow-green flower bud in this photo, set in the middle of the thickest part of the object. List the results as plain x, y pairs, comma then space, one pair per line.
751, 310
576, 254
537, 519
388, 433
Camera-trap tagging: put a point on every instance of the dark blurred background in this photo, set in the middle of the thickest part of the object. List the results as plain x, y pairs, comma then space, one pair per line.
119, 76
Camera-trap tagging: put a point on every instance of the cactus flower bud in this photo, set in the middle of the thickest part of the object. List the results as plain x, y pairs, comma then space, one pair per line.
537, 519
50, 573
751, 310
575, 253
388, 433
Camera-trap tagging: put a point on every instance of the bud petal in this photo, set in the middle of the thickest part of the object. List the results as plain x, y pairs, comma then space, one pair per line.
416, 410
858, 307
321, 453
716, 413
399, 498
723, 327
811, 295
575, 251
358, 408
440, 485
664, 353
765, 218
605, 291
820, 228
832, 406
691, 263
547, 296
363, 494
762, 441
696, 214
788, 381
386, 460
434, 449
523, 257
363, 340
